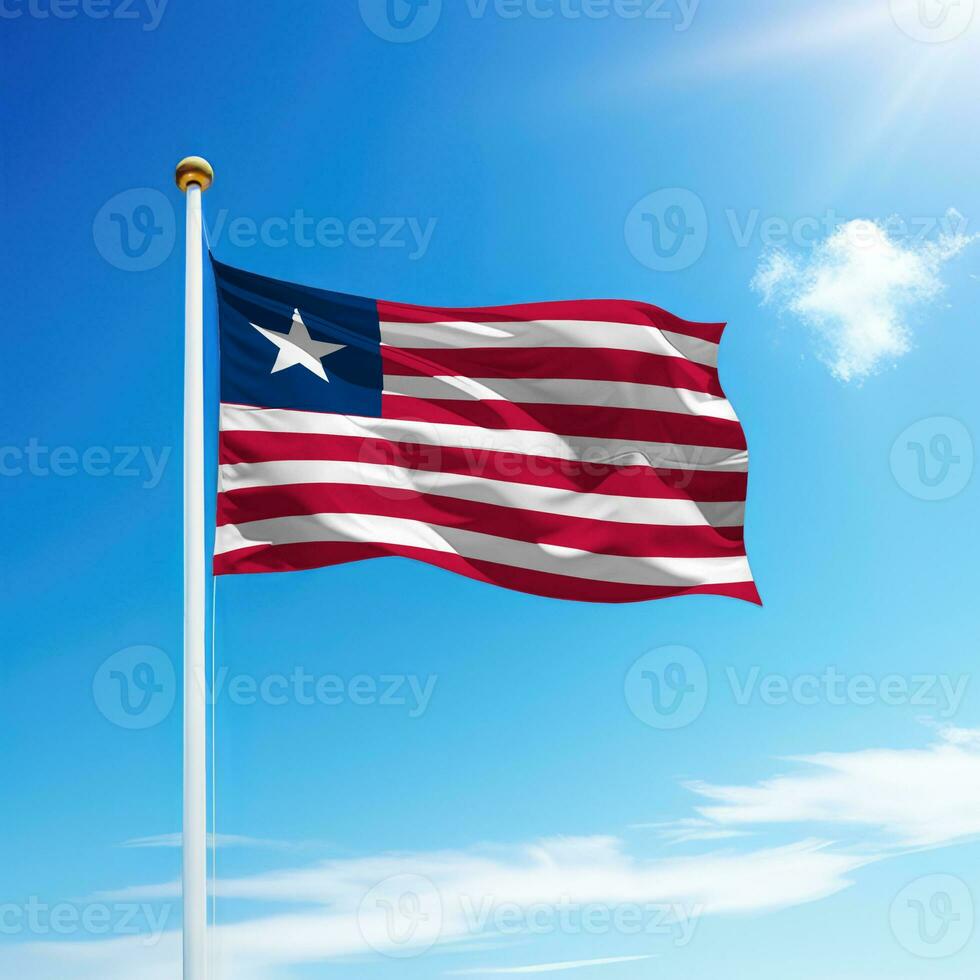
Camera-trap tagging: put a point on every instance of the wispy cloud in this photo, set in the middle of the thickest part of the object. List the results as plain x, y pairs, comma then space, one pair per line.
857, 288
897, 799
474, 892
914, 797
689, 830
219, 840
546, 967
550, 872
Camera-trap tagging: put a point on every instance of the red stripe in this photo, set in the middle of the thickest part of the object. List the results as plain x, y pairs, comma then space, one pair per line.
570, 420
602, 537
298, 557
571, 363
606, 310
576, 476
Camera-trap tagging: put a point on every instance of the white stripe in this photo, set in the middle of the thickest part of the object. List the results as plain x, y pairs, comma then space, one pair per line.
546, 391
502, 493
554, 559
619, 452
550, 333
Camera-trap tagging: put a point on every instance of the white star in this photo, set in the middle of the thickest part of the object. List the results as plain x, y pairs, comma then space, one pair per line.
298, 347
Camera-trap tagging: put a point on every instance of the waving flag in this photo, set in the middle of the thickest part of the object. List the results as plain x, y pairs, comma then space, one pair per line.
580, 450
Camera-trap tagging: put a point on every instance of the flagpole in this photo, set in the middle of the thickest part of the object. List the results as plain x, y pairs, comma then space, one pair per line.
194, 175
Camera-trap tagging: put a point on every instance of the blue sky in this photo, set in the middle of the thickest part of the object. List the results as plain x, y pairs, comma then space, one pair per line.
488, 766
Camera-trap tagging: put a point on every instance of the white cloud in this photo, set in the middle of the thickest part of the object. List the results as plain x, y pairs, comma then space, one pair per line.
856, 289
961, 736
584, 871
915, 797
546, 967
221, 840
897, 798
689, 829
473, 886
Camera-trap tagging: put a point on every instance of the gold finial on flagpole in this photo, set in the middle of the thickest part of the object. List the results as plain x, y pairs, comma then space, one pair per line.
194, 170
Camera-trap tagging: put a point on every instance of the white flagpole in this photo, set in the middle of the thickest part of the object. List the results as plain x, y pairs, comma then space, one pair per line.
194, 176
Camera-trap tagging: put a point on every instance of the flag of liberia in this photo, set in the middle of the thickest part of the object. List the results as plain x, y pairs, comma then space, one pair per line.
580, 450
